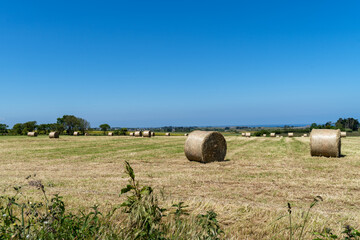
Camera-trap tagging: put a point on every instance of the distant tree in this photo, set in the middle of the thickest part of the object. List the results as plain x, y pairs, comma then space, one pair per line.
104, 127
123, 131
83, 125
70, 123
18, 129
3, 128
348, 123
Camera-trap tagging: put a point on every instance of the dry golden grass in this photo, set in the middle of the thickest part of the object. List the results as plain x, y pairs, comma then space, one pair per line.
249, 190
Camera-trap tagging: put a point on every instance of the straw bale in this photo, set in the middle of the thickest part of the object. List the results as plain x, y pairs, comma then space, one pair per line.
205, 146
325, 142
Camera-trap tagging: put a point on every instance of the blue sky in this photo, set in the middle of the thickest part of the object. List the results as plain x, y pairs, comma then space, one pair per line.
156, 63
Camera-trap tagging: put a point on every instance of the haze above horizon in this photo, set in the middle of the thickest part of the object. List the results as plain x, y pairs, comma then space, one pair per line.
179, 63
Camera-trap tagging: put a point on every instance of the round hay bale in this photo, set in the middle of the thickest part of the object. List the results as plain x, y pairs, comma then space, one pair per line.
54, 135
277, 135
247, 134
32, 134
305, 135
76, 134
272, 134
167, 134
186, 134
131, 134
153, 134
138, 134
343, 134
325, 142
264, 135
290, 134
146, 134
110, 134
205, 146
243, 134
87, 134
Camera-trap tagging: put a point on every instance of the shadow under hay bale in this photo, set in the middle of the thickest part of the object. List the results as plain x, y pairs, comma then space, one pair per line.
205, 146
32, 134
138, 134
146, 134
54, 135
325, 143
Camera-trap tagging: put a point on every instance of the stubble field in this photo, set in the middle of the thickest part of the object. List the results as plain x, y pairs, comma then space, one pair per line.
249, 191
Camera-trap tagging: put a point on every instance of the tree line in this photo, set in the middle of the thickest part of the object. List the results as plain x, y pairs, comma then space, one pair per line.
66, 124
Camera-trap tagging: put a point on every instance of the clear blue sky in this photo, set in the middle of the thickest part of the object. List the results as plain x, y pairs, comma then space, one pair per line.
155, 63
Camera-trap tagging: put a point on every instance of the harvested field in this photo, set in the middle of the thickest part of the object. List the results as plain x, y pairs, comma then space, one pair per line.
249, 190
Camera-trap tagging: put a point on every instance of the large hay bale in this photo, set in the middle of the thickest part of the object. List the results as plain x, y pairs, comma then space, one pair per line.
305, 135
277, 135
243, 134
264, 135
110, 134
247, 134
138, 134
205, 146
153, 134
146, 134
167, 134
343, 134
186, 134
272, 134
32, 134
325, 142
290, 134
131, 134
87, 134
54, 135
76, 134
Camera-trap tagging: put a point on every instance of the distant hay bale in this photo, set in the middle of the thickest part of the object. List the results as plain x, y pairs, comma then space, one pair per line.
76, 133
290, 134
305, 135
264, 135
146, 134
131, 134
138, 134
54, 135
272, 134
32, 134
205, 146
153, 134
243, 134
110, 134
87, 134
277, 135
186, 134
167, 134
247, 134
325, 142
343, 134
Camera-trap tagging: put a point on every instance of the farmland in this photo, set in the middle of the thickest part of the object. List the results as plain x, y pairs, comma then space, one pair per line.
249, 190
